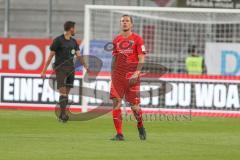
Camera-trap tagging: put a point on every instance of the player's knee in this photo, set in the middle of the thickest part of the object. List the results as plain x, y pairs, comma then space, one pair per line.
135, 107
63, 94
116, 103
63, 91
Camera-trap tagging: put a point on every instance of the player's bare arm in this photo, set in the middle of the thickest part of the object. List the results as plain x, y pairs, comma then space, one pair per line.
49, 59
136, 74
113, 64
82, 61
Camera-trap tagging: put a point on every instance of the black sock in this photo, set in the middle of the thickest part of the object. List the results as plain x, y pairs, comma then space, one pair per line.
63, 101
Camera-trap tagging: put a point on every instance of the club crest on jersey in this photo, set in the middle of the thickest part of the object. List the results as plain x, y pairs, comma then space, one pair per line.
73, 51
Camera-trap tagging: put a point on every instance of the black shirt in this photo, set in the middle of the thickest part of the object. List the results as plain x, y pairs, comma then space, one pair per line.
65, 50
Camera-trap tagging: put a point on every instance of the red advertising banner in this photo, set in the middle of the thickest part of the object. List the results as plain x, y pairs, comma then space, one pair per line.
23, 55
21, 61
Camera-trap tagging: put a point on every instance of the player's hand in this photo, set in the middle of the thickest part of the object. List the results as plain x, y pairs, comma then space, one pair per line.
134, 78
43, 74
88, 70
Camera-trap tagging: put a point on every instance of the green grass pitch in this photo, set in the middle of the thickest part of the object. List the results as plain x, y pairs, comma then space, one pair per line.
28, 135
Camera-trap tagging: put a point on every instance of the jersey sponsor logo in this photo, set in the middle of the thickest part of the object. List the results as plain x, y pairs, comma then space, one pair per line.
125, 47
126, 52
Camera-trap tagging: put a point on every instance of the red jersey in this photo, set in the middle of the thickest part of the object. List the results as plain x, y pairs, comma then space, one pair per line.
126, 51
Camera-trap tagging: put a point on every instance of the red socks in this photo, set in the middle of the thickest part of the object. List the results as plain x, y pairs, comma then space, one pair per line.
138, 116
117, 119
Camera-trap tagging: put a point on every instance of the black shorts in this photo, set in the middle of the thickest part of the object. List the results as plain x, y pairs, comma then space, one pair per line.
65, 76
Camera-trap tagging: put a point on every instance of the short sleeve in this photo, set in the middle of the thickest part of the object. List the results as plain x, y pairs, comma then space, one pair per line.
141, 47
76, 46
55, 45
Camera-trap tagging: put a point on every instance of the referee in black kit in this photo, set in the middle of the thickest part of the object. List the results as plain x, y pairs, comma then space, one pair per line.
64, 48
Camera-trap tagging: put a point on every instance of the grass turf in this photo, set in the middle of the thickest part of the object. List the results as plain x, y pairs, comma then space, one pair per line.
29, 135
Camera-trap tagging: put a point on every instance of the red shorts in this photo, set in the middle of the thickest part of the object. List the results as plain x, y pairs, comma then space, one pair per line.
120, 87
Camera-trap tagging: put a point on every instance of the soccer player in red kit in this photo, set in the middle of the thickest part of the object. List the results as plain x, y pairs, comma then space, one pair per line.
127, 62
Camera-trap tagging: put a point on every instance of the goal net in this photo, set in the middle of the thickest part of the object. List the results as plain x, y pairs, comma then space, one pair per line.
169, 34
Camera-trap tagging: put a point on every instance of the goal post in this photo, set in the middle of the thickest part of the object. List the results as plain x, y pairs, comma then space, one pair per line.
168, 34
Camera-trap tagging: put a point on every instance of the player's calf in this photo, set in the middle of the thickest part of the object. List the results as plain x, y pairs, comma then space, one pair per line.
63, 101
138, 116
